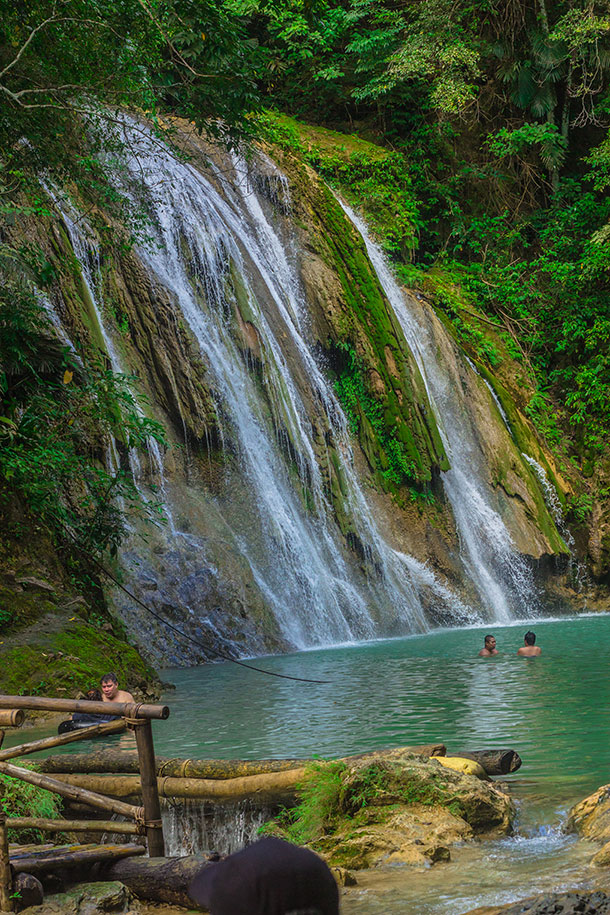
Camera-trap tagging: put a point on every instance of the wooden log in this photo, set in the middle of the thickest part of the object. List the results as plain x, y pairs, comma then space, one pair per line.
6, 877
45, 825
495, 762
71, 856
96, 730
71, 792
126, 761
273, 787
11, 718
124, 709
150, 793
158, 879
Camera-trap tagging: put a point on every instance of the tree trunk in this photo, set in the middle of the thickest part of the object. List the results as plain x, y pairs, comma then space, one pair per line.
495, 762
72, 856
158, 879
126, 761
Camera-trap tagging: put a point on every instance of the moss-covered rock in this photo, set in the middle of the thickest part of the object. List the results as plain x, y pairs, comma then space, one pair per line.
398, 808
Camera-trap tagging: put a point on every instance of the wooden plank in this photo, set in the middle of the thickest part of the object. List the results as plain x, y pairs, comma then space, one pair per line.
125, 709
71, 856
96, 730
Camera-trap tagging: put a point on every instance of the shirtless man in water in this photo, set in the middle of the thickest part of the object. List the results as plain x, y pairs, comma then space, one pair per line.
529, 648
111, 691
490, 647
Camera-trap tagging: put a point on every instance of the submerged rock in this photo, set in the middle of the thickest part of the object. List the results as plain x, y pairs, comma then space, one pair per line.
597, 903
393, 810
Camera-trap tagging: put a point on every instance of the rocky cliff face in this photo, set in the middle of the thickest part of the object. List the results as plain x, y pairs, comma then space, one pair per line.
306, 483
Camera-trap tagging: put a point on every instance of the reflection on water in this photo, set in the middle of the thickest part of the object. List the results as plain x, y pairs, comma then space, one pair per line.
553, 710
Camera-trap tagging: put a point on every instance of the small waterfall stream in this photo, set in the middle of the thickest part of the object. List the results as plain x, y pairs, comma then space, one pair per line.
499, 573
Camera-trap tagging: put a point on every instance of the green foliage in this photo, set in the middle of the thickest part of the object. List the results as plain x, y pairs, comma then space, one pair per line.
59, 412
20, 799
369, 177
394, 465
320, 793
331, 796
545, 138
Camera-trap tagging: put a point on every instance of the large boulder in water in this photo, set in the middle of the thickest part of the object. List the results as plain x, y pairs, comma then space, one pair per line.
591, 819
396, 809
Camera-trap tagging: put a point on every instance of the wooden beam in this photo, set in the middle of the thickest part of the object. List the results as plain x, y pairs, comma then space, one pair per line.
164, 880
96, 730
124, 709
112, 826
150, 794
71, 856
6, 877
123, 762
71, 792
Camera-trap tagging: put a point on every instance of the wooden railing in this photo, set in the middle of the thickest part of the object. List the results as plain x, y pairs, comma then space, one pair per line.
133, 715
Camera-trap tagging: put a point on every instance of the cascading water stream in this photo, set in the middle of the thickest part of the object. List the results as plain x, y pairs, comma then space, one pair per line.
500, 575
211, 256
553, 504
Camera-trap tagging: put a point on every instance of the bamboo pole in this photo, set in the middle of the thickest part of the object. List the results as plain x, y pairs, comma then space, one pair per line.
150, 794
112, 826
272, 786
96, 730
1, 738
71, 792
72, 856
125, 709
6, 879
11, 718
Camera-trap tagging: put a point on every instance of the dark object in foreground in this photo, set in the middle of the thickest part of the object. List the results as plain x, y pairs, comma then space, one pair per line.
597, 903
495, 762
270, 877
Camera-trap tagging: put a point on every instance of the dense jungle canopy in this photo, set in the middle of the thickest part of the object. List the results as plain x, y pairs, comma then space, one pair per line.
492, 192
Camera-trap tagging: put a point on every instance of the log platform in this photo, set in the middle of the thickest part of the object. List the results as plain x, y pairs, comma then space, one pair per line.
44, 858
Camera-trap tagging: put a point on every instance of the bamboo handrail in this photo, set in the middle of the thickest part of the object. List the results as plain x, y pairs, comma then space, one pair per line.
125, 709
76, 794
96, 730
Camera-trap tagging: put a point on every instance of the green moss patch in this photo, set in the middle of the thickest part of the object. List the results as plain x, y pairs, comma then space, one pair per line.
58, 661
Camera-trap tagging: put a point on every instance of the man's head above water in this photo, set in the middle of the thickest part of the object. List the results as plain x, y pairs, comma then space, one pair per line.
110, 685
489, 647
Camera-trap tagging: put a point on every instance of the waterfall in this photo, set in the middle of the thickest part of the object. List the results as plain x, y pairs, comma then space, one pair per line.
577, 568
211, 255
500, 574
191, 827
